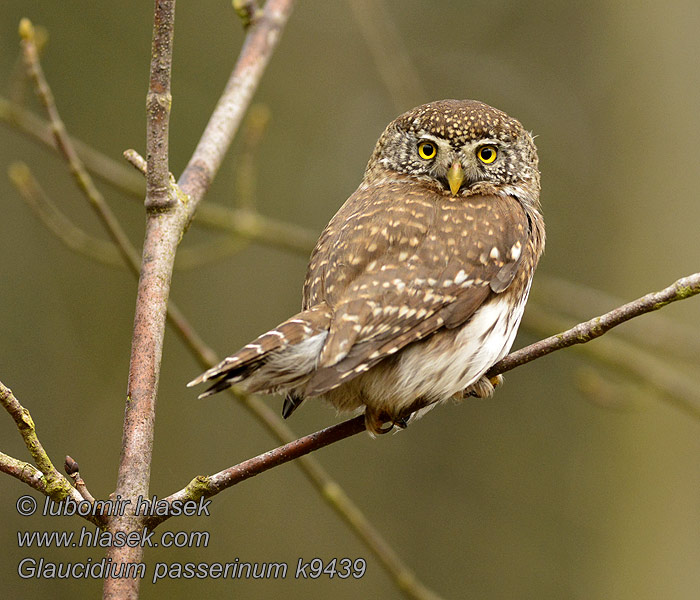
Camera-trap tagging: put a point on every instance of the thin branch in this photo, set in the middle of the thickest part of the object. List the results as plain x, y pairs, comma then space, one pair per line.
256, 227
239, 222
261, 41
65, 146
104, 251
46, 478
57, 223
213, 484
585, 332
663, 335
205, 487
72, 469
100, 165
253, 131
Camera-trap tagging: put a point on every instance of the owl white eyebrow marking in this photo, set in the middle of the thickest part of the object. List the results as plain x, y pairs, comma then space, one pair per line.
431, 137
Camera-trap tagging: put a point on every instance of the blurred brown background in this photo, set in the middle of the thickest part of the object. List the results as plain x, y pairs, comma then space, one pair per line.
575, 481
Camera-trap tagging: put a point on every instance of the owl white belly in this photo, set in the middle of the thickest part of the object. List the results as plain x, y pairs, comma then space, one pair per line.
435, 369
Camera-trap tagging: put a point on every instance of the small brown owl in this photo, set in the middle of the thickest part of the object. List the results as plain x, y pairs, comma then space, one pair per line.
417, 285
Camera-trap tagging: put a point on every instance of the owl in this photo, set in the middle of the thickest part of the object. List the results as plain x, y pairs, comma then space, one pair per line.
418, 284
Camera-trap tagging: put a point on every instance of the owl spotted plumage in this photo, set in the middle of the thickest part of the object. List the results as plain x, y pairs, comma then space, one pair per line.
417, 285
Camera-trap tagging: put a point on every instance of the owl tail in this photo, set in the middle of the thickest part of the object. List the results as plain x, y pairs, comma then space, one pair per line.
272, 352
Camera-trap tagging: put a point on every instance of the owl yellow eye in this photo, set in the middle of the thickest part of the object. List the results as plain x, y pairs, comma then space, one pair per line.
487, 154
427, 150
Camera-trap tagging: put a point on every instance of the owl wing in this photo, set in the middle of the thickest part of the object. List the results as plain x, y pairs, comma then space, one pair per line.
431, 265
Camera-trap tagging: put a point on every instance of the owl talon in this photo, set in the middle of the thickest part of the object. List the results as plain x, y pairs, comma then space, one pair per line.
483, 388
376, 425
403, 422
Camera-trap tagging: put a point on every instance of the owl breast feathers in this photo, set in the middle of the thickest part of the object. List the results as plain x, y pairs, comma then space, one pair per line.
417, 285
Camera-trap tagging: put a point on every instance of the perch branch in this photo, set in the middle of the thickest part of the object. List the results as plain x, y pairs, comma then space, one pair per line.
213, 484
582, 333
662, 335
589, 330
209, 486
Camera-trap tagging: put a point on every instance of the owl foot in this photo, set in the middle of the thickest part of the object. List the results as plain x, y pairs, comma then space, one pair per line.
378, 423
483, 388
403, 422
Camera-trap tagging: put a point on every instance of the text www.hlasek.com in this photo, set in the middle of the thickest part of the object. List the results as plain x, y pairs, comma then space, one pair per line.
96, 538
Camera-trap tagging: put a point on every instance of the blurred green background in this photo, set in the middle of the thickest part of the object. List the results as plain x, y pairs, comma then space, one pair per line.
576, 481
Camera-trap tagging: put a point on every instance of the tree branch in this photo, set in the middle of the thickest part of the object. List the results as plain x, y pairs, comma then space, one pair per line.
240, 222
164, 228
589, 330
581, 333
652, 369
261, 41
46, 478
65, 146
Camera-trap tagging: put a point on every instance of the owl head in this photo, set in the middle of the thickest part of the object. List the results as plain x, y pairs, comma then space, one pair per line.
460, 147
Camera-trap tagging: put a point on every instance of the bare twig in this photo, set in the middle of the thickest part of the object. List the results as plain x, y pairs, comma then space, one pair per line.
102, 166
663, 335
253, 130
55, 221
262, 39
19, 76
585, 332
206, 487
72, 469
66, 148
46, 478
104, 251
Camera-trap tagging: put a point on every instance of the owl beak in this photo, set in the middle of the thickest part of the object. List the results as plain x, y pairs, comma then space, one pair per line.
455, 177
